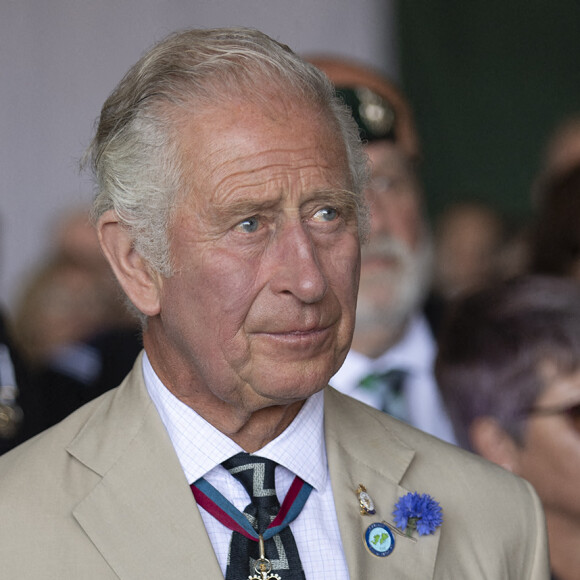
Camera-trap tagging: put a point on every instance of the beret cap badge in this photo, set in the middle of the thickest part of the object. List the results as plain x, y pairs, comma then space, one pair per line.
373, 114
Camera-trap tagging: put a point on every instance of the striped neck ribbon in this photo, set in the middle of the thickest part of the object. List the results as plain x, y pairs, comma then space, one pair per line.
211, 500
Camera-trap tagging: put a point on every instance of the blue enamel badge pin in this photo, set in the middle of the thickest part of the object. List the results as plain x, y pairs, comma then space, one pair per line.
379, 539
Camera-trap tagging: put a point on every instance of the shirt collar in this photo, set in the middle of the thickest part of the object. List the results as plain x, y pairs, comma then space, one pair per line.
413, 353
200, 447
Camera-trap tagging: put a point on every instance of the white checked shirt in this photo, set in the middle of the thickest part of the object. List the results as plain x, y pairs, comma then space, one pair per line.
299, 450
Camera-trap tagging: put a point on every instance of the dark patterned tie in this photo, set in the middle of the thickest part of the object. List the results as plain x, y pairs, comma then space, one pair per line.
256, 474
391, 385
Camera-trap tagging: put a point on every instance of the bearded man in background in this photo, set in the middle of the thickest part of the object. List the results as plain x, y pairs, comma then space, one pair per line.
390, 364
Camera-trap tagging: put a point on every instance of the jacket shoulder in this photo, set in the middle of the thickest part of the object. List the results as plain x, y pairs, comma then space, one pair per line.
491, 518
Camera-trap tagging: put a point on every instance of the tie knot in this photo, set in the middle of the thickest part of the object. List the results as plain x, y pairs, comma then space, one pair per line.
393, 380
256, 474
390, 387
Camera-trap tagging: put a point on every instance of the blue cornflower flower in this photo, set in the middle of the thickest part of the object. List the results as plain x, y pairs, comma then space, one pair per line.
420, 512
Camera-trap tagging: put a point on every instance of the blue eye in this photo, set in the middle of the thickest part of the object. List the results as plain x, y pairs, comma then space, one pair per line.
326, 214
249, 225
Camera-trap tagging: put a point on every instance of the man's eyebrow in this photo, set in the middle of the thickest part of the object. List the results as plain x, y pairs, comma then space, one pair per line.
344, 199
243, 207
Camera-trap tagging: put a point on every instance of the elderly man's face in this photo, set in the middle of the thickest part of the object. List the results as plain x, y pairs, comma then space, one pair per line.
394, 196
265, 247
395, 262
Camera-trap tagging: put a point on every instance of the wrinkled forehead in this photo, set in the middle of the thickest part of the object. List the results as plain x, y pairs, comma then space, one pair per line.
242, 142
260, 95
266, 105
274, 99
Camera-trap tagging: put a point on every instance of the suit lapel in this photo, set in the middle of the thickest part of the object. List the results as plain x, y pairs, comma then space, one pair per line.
141, 516
365, 450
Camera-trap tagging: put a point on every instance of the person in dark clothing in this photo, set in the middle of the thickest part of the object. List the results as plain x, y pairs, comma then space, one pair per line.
82, 371
20, 406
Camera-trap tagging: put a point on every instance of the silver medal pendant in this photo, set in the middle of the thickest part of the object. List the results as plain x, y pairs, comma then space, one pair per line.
263, 567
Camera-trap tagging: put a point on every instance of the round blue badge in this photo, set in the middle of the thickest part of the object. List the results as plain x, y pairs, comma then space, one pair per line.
379, 539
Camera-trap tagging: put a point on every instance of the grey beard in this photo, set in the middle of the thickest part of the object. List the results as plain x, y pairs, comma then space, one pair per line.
405, 287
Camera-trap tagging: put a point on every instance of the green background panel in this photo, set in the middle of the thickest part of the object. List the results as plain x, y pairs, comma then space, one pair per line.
488, 81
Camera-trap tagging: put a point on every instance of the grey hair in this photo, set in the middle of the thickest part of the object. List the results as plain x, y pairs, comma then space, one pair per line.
134, 153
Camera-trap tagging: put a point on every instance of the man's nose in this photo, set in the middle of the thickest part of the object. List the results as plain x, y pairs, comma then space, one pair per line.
296, 266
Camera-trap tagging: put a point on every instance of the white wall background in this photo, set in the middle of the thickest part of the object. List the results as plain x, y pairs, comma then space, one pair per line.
59, 59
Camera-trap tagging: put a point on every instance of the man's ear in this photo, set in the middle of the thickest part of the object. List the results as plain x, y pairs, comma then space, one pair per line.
141, 284
491, 441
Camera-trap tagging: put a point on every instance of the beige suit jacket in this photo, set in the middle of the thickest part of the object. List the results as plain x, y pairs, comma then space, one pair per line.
102, 496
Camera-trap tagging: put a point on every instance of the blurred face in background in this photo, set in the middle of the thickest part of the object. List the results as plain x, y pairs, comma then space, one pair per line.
396, 262
468, 243
550, 455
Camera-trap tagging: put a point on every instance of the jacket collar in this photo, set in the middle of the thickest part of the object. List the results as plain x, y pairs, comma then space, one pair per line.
141, 516
364, 448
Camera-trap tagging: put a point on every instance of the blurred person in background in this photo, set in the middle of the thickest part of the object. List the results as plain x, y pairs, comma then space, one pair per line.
75, 241
469, 239
71, 323
390, 362
60, 304
20, 409
509, 370
560, 154
554, 243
